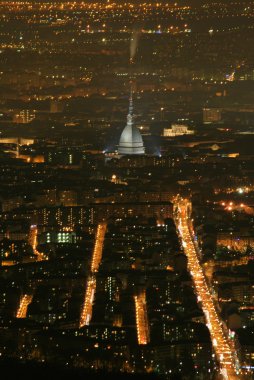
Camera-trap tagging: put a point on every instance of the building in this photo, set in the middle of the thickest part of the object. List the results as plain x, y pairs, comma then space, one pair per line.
211, 115
131, 141
235, 240
24, 116
105, 211
68, 198
57, 237
11, 203
177, 130
62, 216
56, 106
142, 161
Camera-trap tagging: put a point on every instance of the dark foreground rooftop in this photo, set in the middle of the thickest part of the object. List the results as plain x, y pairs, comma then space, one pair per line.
13, 369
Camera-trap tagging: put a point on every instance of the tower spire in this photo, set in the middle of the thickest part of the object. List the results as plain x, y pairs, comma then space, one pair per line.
130, 113
131, 142
131, 98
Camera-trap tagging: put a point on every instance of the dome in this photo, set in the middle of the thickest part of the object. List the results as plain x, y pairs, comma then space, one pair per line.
131, 141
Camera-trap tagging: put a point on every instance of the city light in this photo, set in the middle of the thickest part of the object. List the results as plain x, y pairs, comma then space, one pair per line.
87, 307
24, 302
127, 188
141, 318
224, 353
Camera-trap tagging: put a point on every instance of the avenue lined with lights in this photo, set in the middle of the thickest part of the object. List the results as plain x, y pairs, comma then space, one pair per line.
224, 354
22, 310
86, 313
34, 242
141, 318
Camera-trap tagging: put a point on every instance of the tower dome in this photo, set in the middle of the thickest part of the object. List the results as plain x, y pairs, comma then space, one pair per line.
131, 141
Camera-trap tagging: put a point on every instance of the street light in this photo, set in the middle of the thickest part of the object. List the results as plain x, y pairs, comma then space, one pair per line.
162, 115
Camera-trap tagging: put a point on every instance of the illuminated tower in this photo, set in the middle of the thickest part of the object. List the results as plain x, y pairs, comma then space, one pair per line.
131, 141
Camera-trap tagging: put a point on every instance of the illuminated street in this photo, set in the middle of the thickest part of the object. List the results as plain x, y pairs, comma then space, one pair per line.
33, 242
22, 310
86, 314
97, 252
141, 318
224, 354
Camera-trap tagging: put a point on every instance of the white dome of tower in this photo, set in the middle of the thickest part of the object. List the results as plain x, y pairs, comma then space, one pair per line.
131, 141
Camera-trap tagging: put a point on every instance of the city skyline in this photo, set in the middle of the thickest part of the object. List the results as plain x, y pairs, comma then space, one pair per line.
127, 189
